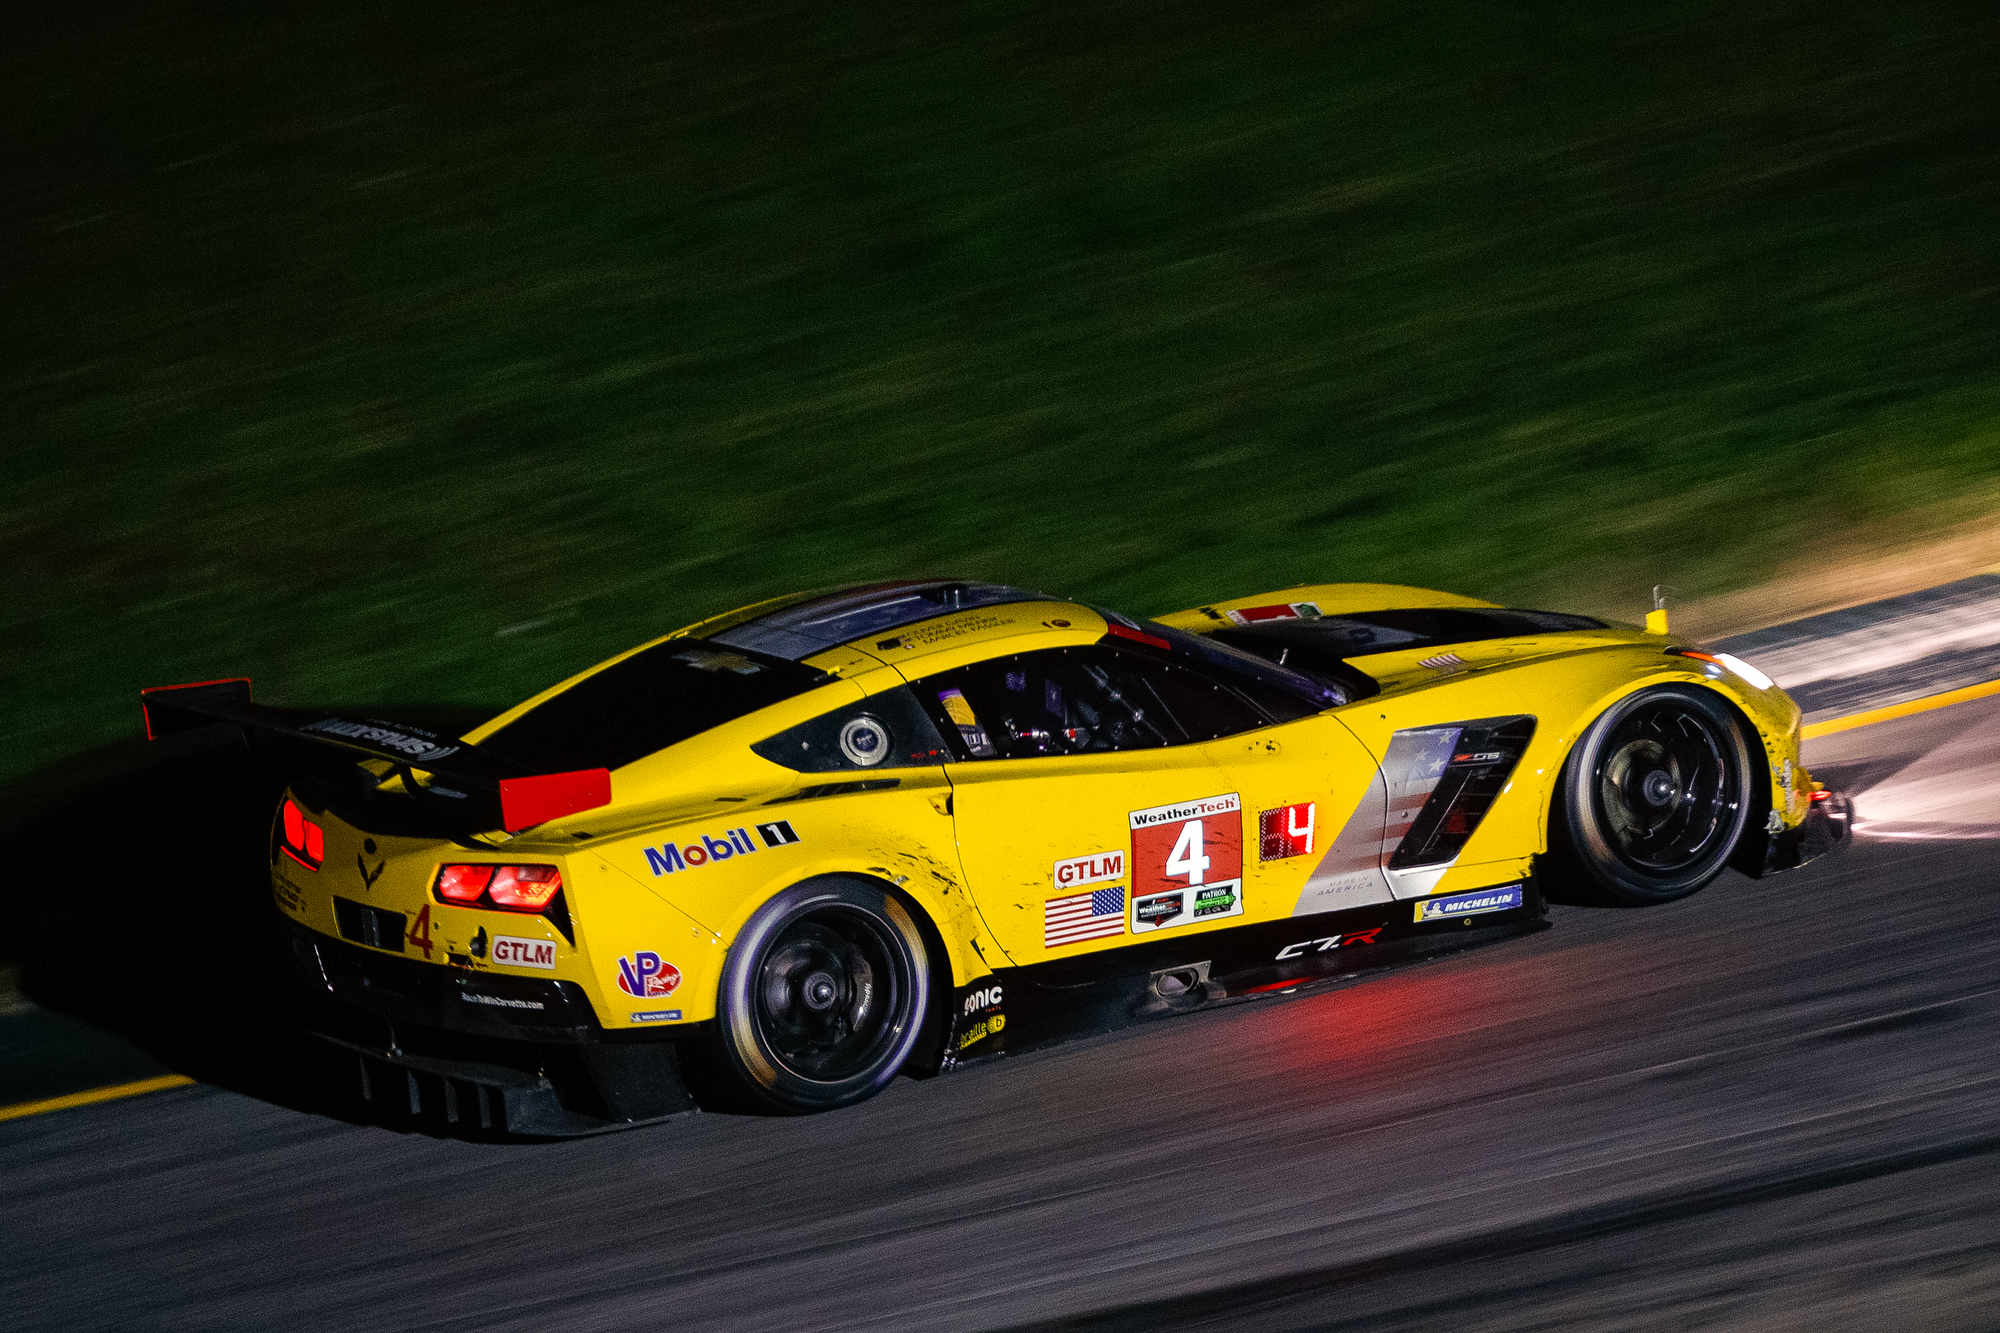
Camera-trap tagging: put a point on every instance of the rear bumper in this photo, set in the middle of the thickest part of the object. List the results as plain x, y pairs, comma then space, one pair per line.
453, 1051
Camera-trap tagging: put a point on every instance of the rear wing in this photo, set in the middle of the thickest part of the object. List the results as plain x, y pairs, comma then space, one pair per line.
476, 784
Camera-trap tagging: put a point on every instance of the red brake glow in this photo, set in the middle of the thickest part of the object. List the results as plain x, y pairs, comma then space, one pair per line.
507, 888
300, 838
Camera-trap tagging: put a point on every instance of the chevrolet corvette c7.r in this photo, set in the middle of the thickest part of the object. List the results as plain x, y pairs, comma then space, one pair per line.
799, 848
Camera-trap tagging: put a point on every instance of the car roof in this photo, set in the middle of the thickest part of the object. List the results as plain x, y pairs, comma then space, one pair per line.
884, 617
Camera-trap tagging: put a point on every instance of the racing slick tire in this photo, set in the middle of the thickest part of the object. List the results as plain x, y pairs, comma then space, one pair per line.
1653, 799
823, 995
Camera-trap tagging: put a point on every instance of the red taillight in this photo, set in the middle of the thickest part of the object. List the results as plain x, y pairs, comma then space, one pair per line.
299, 837
506, 887
463, 884
524, 888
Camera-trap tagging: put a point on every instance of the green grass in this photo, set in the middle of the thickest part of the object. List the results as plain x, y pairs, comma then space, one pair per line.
342, 345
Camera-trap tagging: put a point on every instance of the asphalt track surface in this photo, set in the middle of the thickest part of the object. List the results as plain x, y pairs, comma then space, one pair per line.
1771, 1105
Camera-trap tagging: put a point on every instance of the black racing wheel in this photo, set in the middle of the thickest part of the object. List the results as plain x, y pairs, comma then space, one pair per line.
1654, 797
823, 995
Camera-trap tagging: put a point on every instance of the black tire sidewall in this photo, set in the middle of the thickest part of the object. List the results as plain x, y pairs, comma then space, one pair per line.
746, 1055
1607, 875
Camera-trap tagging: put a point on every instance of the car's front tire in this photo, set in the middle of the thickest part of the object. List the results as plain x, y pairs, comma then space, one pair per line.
823, 995
1653, 798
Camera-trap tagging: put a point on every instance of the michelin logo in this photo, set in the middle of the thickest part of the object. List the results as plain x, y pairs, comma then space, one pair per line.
1470, 904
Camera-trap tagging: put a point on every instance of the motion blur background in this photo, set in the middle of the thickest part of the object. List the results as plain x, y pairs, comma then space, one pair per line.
431, 352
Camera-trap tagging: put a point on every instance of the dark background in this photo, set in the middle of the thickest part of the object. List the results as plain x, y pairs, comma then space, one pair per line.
392, 353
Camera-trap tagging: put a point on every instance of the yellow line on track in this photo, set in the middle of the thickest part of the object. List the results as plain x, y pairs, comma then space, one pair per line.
105, 1094
117, 1090
1892, 711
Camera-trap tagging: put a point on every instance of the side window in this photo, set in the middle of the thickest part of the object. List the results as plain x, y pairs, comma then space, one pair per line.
886, 730
1088, 700
1207, 709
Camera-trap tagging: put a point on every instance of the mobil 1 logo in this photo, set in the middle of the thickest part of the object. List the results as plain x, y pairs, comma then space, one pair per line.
671, 859
1187, 863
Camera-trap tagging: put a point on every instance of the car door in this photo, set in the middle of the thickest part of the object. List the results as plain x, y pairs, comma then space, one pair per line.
1097, 797
1313, 812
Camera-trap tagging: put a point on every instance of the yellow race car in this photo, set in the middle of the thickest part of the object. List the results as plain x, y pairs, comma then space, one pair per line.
794, 850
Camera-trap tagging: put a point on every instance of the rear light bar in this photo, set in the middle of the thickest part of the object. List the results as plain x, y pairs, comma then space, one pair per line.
300, 838
505, 888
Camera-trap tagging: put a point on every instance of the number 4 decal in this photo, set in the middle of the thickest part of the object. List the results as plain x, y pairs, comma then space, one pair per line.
1187, 845
420, 931
1186, 859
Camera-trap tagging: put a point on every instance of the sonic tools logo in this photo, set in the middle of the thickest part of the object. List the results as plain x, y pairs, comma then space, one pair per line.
668, 859
410, 743
647, 975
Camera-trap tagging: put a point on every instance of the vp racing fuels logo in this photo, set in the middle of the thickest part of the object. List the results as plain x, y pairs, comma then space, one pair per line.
669, 859
646, 975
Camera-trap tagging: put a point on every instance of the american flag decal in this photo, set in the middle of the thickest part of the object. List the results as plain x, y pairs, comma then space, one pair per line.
1083, 916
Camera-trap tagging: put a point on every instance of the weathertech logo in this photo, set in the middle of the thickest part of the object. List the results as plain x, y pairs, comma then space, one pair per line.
669, 859
1174, 814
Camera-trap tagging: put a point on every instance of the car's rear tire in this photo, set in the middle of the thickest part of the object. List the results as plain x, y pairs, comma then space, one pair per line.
823, 995
1653, 798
